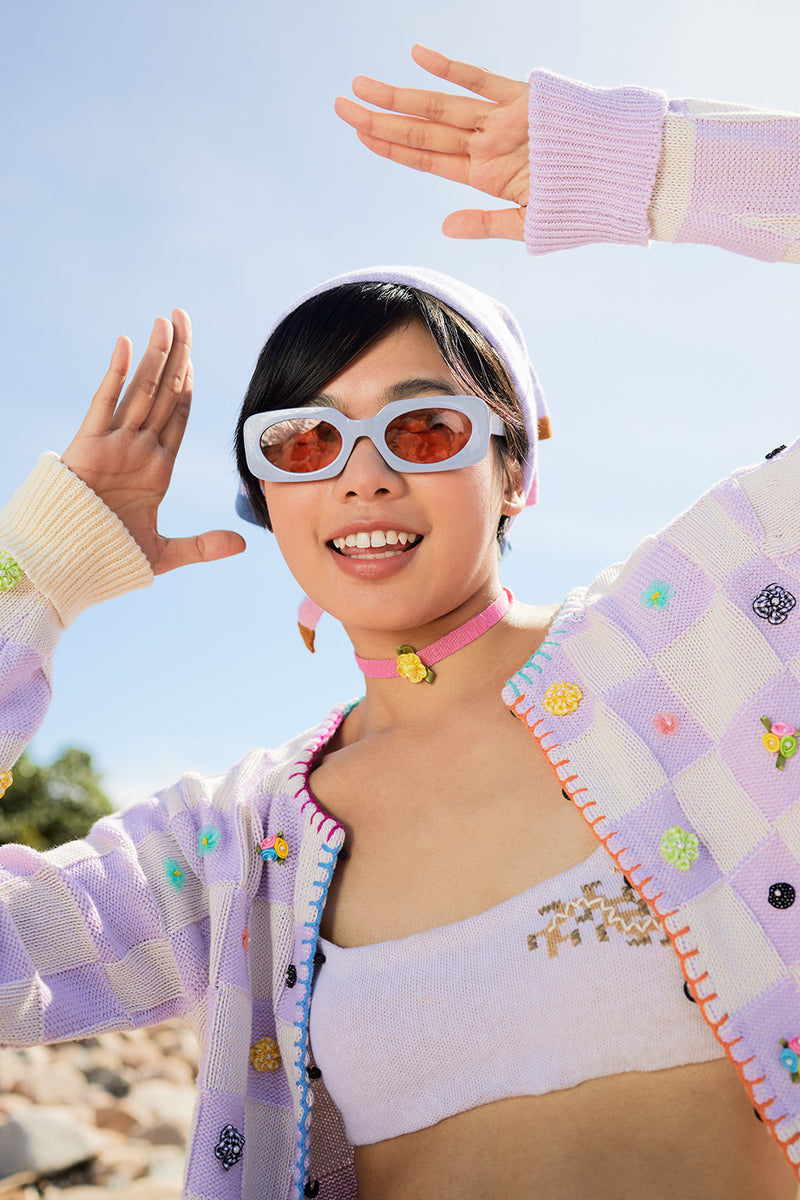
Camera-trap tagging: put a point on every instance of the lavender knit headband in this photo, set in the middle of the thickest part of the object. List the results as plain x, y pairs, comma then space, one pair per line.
489, 317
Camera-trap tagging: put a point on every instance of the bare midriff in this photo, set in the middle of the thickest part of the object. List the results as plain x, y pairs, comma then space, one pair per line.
688, 1133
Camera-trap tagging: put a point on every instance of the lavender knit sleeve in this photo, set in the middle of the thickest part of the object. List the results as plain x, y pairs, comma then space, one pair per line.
621, 165
594, 153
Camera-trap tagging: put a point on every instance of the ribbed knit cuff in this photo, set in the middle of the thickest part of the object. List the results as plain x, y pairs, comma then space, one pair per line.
593, 159
68, 543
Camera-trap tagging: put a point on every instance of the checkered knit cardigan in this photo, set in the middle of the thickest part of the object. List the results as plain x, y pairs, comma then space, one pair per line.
648, 697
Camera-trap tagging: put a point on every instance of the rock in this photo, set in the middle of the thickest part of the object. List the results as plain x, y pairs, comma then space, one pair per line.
114, 1082
157, 1106
44, 1141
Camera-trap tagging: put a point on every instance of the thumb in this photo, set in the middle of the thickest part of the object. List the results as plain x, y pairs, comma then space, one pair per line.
486, 223
204, 547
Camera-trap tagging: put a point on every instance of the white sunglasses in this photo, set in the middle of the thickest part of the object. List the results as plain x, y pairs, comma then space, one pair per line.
432, 433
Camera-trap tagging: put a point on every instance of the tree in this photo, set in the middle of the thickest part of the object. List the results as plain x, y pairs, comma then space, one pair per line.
46, 806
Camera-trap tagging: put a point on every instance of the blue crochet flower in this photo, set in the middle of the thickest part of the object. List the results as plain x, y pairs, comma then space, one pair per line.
174, 873
657, 595
207, 839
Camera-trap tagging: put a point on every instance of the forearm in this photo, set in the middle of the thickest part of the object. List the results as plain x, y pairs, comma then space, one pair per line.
620, 165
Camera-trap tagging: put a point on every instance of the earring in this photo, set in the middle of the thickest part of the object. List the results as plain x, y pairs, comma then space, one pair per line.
308, 615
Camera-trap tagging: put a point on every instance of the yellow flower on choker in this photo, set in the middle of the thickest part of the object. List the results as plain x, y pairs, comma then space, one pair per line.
410, 666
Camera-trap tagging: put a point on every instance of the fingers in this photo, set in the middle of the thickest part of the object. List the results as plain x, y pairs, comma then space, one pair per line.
158, 382
405, 131
104, 401
206, 547
172, 432
448, 166
481, 223
458, 111
500, 88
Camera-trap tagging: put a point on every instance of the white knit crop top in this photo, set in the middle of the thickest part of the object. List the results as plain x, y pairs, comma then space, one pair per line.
572, 980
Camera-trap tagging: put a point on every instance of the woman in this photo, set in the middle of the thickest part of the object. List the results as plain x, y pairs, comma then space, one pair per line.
495, 1010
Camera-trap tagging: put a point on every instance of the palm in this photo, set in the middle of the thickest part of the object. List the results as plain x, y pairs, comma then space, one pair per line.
125, 449
480, 142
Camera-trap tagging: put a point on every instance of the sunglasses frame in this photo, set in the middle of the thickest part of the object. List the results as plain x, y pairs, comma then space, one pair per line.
485, 424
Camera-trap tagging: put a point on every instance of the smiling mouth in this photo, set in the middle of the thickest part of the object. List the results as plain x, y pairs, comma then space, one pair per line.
380, 543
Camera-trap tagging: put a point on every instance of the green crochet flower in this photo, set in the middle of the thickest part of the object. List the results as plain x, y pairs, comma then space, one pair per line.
10, 572
680, 848
657, 595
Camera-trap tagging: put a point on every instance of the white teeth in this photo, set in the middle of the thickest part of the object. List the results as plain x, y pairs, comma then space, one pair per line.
376, 540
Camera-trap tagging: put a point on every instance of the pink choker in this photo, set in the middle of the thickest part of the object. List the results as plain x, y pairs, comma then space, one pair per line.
416, 666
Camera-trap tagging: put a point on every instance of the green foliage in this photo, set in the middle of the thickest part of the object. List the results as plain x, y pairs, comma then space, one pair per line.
46, 806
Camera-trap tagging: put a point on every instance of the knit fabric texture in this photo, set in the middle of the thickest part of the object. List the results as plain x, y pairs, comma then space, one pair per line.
648, 698
582, 940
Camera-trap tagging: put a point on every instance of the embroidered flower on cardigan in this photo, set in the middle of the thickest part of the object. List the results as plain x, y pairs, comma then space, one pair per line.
207, 839
781, 895
680, 848
174, 873
10, 572
666, 723
410, 666
6, 780
245, 939
265, 1055
291, 975
275, 849
657, 595
230, 1147
562, 698
790, 1057
779, 739
774, 603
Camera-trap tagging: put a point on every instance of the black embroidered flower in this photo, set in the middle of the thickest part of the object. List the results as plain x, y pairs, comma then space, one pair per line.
774, 604
230, 1147
781, 895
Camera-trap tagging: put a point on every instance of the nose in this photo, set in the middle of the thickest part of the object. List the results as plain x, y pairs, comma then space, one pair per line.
366, 473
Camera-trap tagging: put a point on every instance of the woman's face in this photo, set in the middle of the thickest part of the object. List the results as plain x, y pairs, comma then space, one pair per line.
432, 536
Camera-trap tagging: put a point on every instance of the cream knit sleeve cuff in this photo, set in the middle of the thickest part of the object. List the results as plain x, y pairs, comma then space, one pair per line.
68, 543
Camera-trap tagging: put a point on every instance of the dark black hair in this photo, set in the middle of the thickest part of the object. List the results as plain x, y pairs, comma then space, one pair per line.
321, 337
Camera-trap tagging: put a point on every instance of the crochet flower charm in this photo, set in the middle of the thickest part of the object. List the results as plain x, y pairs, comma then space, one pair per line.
207, 839
6, 780
562, 698
657, 595
174, 873
680, 848
230, 1147
780, 739
275, 849
410, 666
666, 723
265, 1055
10, 572
790, 1057
774, 603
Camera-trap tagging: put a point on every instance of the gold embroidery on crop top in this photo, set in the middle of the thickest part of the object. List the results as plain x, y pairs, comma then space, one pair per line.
626, 913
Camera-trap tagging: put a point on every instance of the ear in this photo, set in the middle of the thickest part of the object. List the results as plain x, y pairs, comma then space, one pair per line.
513, 495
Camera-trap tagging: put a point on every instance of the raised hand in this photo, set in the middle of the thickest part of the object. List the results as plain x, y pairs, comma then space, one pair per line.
483, 143
125, 449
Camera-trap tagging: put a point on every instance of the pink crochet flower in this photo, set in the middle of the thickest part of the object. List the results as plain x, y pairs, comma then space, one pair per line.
666, 723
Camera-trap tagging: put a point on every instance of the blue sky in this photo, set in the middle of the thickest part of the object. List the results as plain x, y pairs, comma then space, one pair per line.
170, 153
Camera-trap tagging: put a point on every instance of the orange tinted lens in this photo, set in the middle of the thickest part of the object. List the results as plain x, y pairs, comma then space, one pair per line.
429, 435
301, 446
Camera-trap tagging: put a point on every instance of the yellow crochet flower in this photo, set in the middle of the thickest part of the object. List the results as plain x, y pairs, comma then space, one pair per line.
410, 666
6, 780
265, 1055
561, 699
